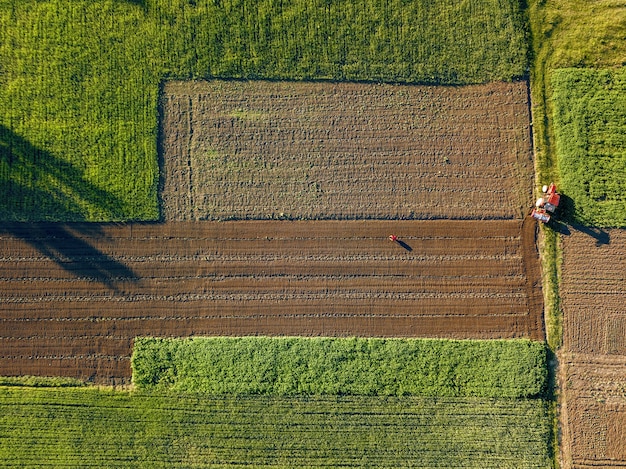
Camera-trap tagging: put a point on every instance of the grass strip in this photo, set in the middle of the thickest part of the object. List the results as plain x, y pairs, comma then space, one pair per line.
340, 366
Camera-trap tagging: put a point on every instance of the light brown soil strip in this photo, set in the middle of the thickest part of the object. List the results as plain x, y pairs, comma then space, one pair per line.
263, 150
593, 358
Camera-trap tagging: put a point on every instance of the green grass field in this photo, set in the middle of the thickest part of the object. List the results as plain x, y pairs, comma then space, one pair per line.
341, 366
79, 80
90, 427
566, 34
590, 141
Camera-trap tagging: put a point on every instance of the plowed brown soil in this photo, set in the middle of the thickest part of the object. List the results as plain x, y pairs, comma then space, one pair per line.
263, 150
593, 363
73, 297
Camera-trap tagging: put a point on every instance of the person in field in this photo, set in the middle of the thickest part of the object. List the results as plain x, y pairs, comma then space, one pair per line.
393, 238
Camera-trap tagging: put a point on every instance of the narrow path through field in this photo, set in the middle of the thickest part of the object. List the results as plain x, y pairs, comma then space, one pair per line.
73, 297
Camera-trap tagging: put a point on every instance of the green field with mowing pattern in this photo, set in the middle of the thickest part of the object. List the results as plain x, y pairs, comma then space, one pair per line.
90, 427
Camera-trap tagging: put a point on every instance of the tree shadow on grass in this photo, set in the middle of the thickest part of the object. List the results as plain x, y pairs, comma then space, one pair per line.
571, 220
34, 186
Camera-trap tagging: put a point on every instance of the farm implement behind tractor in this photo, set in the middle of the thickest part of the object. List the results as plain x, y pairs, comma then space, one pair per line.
546, 205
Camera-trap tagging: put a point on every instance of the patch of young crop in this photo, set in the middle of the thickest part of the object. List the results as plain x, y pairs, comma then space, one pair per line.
590, 131
341, 366
79, 81
105, 428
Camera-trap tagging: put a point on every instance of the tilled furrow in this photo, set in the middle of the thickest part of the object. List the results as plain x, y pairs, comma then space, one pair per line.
42, 234
94, 309
480, 266
25, 290
108, 335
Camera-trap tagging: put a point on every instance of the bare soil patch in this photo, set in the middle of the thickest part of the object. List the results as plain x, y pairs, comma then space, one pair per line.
595, 411
593, 293
268, 150
73, 297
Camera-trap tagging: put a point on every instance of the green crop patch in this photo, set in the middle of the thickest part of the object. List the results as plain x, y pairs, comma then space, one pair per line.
40, 381
341, 366
590, 131
77, 427
79, 80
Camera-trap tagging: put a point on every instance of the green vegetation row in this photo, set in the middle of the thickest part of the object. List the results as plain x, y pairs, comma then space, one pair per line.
79, 80
590, 141
40, 381
340, 366
90, 427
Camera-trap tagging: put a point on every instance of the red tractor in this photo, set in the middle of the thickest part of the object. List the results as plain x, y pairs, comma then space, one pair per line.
546, 205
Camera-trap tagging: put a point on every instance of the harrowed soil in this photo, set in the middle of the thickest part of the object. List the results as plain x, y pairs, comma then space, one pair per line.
593, 356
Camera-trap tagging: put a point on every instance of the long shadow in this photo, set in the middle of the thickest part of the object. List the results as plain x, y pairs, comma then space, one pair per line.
570, 219
601, 236
36, 186
63, 243
404, 245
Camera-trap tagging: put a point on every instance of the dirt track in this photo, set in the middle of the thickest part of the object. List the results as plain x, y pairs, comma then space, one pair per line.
72, 297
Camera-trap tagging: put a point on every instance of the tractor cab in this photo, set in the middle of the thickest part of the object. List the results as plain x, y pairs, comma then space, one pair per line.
550, 199
547, 204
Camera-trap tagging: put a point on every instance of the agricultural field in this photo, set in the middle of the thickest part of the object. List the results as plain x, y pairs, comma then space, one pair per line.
271, 150
590, 141
462, 397
594, 349
594, 410
589, 114
96, 126
576, 73
90, 127
565, 34
70, 426
593, 289
80, 80
568, 34
73, 296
